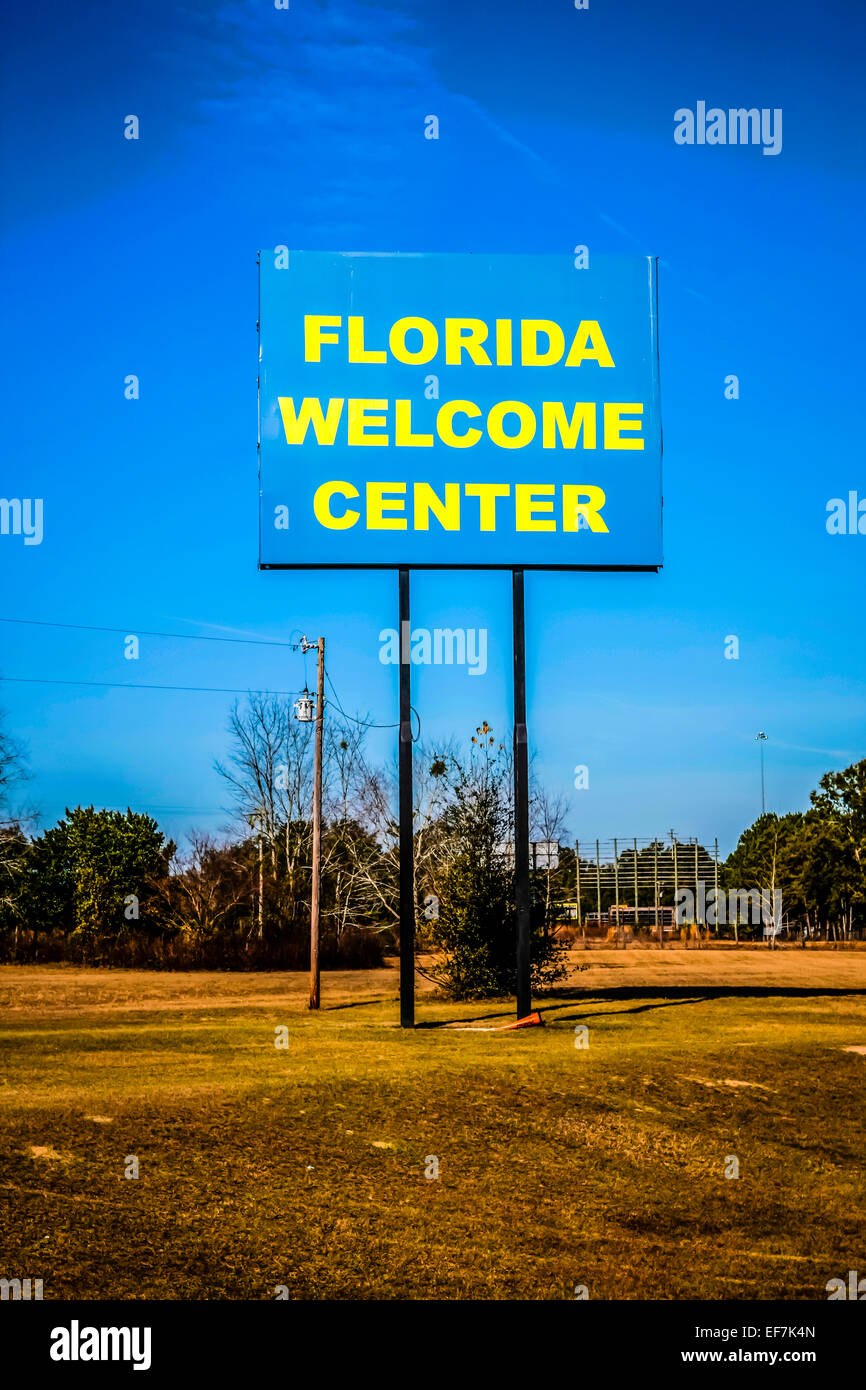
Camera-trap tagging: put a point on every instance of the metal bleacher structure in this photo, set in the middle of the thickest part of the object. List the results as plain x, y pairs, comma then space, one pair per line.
632, 883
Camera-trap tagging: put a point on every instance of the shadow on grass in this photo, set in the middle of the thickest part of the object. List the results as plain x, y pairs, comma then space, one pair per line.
686, 992
562, 1018
507, 1013
637, 1009
657, 997
355, 1004
650, 997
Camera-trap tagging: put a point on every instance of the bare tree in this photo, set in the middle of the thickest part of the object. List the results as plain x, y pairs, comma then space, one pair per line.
269, 772
375, 809
549, 824
270, 777
209, 883
351, 853
14, 774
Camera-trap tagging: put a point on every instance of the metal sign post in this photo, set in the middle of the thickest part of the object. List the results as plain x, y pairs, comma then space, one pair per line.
521, 804
407, 838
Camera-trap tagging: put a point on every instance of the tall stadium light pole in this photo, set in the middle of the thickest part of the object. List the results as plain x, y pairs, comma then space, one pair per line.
656, 899
577, 881
598, 882
762, 739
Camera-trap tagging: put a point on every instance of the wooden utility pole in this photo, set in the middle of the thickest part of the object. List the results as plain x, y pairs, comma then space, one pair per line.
255, 818
261, 881
315, 904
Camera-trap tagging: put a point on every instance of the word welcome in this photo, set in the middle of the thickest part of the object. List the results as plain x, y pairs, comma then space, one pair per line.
370, 423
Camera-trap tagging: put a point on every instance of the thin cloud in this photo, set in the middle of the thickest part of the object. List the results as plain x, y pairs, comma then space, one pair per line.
824, 752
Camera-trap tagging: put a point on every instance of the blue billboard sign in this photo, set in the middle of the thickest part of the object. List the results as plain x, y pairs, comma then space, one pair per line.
439, 410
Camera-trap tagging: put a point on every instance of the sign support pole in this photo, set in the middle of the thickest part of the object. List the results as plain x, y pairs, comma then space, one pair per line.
521, 802
316, 901
407, 866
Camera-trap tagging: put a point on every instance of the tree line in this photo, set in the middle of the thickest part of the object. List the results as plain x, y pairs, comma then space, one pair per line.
107, 887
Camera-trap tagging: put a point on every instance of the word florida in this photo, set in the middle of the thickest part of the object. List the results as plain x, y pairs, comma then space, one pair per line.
417, 341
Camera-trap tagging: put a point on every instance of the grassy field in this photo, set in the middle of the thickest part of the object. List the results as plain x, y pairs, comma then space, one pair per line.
559, 1165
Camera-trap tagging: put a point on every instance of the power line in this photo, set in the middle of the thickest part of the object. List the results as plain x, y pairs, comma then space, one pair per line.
133, 685
366, 723
194, 689
145, 632
200, 689
172, 810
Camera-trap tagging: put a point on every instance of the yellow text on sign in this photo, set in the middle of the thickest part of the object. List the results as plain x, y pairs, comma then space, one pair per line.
387, 506
416, 341
373, 423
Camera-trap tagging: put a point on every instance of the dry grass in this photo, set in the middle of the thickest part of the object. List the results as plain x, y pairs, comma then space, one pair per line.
558, 1165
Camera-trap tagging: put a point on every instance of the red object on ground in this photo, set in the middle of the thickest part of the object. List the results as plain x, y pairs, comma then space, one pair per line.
531, 1021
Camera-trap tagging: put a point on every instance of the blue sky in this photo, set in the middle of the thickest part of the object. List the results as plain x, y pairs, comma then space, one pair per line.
305, 127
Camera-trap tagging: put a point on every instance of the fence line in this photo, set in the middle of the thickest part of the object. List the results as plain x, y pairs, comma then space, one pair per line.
643, 868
